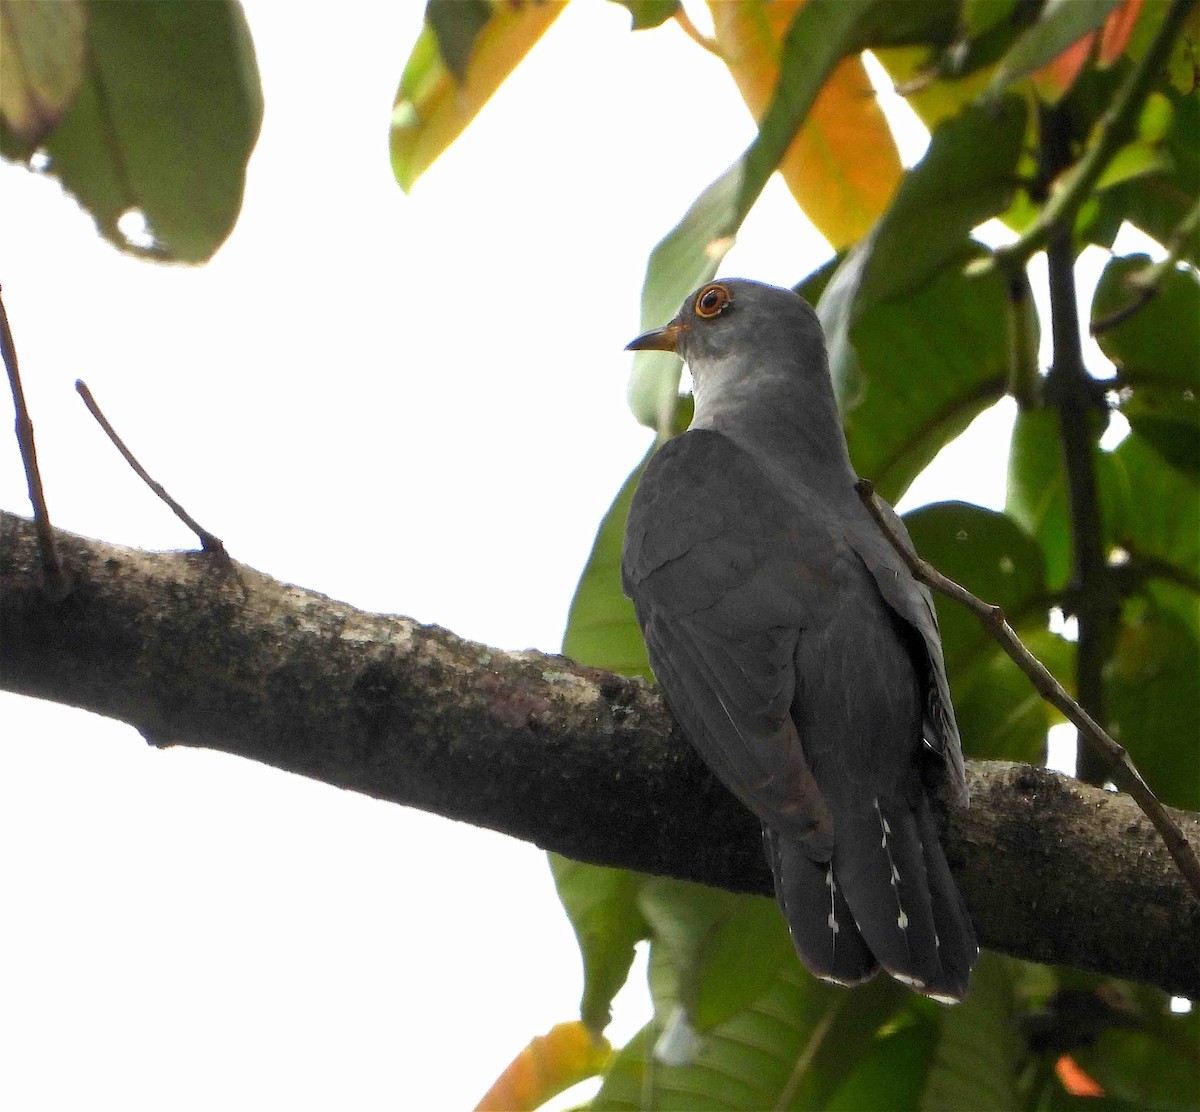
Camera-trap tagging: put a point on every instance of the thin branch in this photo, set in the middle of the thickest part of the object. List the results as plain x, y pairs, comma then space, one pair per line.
208, 541
57, 583
1113, 132
1124, 774
1145, 282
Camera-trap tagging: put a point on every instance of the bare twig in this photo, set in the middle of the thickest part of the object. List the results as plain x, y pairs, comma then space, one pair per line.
208, 542
57, 582
1124, 774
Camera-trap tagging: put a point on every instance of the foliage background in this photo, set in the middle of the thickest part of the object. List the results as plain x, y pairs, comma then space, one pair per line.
360, 264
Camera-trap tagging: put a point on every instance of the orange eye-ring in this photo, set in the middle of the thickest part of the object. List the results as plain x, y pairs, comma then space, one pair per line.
712, 301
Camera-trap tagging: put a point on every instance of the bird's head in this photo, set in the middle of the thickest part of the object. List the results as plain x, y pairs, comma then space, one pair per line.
744, 339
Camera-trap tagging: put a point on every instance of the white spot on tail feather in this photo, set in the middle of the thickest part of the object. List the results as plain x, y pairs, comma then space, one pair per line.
901, 914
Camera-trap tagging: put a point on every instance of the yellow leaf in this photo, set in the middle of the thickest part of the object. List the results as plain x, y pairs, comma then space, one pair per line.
843, 166
567, 1054
933, 100
431, 109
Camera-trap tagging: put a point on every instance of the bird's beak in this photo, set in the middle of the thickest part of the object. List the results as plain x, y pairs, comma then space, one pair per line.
658, 339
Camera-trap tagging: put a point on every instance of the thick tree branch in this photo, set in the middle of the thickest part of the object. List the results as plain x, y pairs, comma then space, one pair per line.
195, 650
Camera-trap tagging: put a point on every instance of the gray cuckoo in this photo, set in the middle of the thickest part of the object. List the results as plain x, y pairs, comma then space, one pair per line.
794, 647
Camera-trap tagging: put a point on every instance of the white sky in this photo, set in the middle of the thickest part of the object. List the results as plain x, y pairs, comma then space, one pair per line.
415, 404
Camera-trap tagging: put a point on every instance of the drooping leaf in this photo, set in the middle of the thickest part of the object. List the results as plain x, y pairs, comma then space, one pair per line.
842, 167
456, 25
602, 904
821, 33
978, 1056
567, 1054
163, 123
649, 13
1000, 715
1037, 497
965, 177
1154, 690
751, 1060
1156, 509
602, 629
1159, 342
43, 50
890, 1073
1060, 24
928, 364
716, 951
1154, 351
432, 108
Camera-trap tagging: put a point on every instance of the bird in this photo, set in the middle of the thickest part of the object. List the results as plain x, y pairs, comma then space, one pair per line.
795, 648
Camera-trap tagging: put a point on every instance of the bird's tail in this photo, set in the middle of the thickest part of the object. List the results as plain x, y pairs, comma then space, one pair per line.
886, 898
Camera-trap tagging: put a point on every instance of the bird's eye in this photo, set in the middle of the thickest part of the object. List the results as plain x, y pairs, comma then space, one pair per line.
712, 301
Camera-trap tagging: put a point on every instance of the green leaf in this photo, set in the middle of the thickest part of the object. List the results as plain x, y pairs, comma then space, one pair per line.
1160, 341
1160, 203
751, 1060
1157, 509
1147, 1070
456, 25
602, 906
164, 122
602, 628
1154, 690
43, 50
979, 16
712, 952
1061, 23
1000, 715
966, 176
1037, 498
915, 391
978, 1057
890, 1074
989, 554
649, 13
821, 33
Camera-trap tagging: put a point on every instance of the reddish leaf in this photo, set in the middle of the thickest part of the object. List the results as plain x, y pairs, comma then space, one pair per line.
1074, 1080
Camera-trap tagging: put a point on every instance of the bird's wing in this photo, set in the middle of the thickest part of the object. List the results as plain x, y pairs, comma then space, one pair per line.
911, 600
724, 579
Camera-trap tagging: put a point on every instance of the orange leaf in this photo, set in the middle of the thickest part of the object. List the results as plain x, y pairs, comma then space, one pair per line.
567, 1054
1114, 36
431, 109
843, 166
1056, 77
1074, 1080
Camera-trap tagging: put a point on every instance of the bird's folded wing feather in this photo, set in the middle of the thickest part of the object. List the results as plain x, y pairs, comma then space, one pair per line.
724, 578
911, 600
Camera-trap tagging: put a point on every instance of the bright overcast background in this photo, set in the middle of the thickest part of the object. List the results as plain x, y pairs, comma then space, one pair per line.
415, 404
